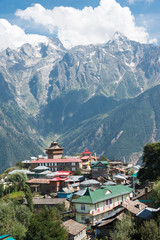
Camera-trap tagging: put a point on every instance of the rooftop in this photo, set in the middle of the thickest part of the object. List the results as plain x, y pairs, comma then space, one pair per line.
99, 164
86, 152
47, 201
92, 197
54, 145
73, 227
19, 171
134, 207
39, 180
57, 160
89, 182
41, 168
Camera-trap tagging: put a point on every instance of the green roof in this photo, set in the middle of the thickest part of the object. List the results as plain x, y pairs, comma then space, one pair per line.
101, 194
104, 164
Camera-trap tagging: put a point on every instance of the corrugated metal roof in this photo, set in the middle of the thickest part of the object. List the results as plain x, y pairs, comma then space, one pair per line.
89, 182
41, 168
19, 171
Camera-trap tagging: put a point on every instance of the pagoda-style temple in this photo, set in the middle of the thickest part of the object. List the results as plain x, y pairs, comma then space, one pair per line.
87, 158
87, 153
54, 151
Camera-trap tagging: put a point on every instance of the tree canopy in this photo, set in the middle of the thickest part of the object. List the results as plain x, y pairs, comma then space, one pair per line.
14, 220
124, 229
46, 225
18, 180
151, 163
156, 192
150, 230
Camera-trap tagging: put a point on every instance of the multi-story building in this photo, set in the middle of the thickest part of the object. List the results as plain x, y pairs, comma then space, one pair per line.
55, 161
58, 164
99, 168
96, 205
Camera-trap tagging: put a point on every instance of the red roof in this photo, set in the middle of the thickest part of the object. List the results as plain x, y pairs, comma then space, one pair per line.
63, 173
85, 158
86, 152
56, 179
57, 160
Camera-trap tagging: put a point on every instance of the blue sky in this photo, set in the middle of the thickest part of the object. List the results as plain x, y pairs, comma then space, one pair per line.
78, 21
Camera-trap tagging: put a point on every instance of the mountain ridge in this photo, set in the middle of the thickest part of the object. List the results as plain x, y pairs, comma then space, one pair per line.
58, 92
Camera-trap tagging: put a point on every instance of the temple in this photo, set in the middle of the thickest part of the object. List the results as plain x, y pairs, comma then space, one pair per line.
54, 151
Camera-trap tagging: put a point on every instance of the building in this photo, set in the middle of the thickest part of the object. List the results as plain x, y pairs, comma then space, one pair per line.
49, 202
96, 205
54, 151
57, 164
40, 185
87, 157
90, 183
115, 164
99, 168
53, 182
76, 231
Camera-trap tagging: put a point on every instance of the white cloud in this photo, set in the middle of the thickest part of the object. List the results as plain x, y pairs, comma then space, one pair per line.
13, 36
133, 1
86, 26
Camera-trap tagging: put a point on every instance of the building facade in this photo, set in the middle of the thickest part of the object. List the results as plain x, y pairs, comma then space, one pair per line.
96, 205
54, 151
99, 168
58, 164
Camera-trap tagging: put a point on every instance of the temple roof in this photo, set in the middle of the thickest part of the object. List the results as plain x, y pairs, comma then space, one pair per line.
54, 145
86, 152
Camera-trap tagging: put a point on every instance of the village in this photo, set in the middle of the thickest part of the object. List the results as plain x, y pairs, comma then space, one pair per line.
95, 191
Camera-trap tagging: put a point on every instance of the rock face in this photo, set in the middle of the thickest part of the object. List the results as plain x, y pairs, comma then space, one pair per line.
85, 97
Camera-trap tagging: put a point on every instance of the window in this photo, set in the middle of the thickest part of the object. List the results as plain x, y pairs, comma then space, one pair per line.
83, 218
73, 169
83, 207
73, 164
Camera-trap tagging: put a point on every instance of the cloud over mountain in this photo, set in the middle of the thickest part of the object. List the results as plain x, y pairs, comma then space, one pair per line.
86, 26
13, 36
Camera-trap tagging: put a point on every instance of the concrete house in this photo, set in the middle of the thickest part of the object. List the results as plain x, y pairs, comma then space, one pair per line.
96, 205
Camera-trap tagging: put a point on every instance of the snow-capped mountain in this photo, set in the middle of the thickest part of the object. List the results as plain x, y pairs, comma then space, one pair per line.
59, 90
